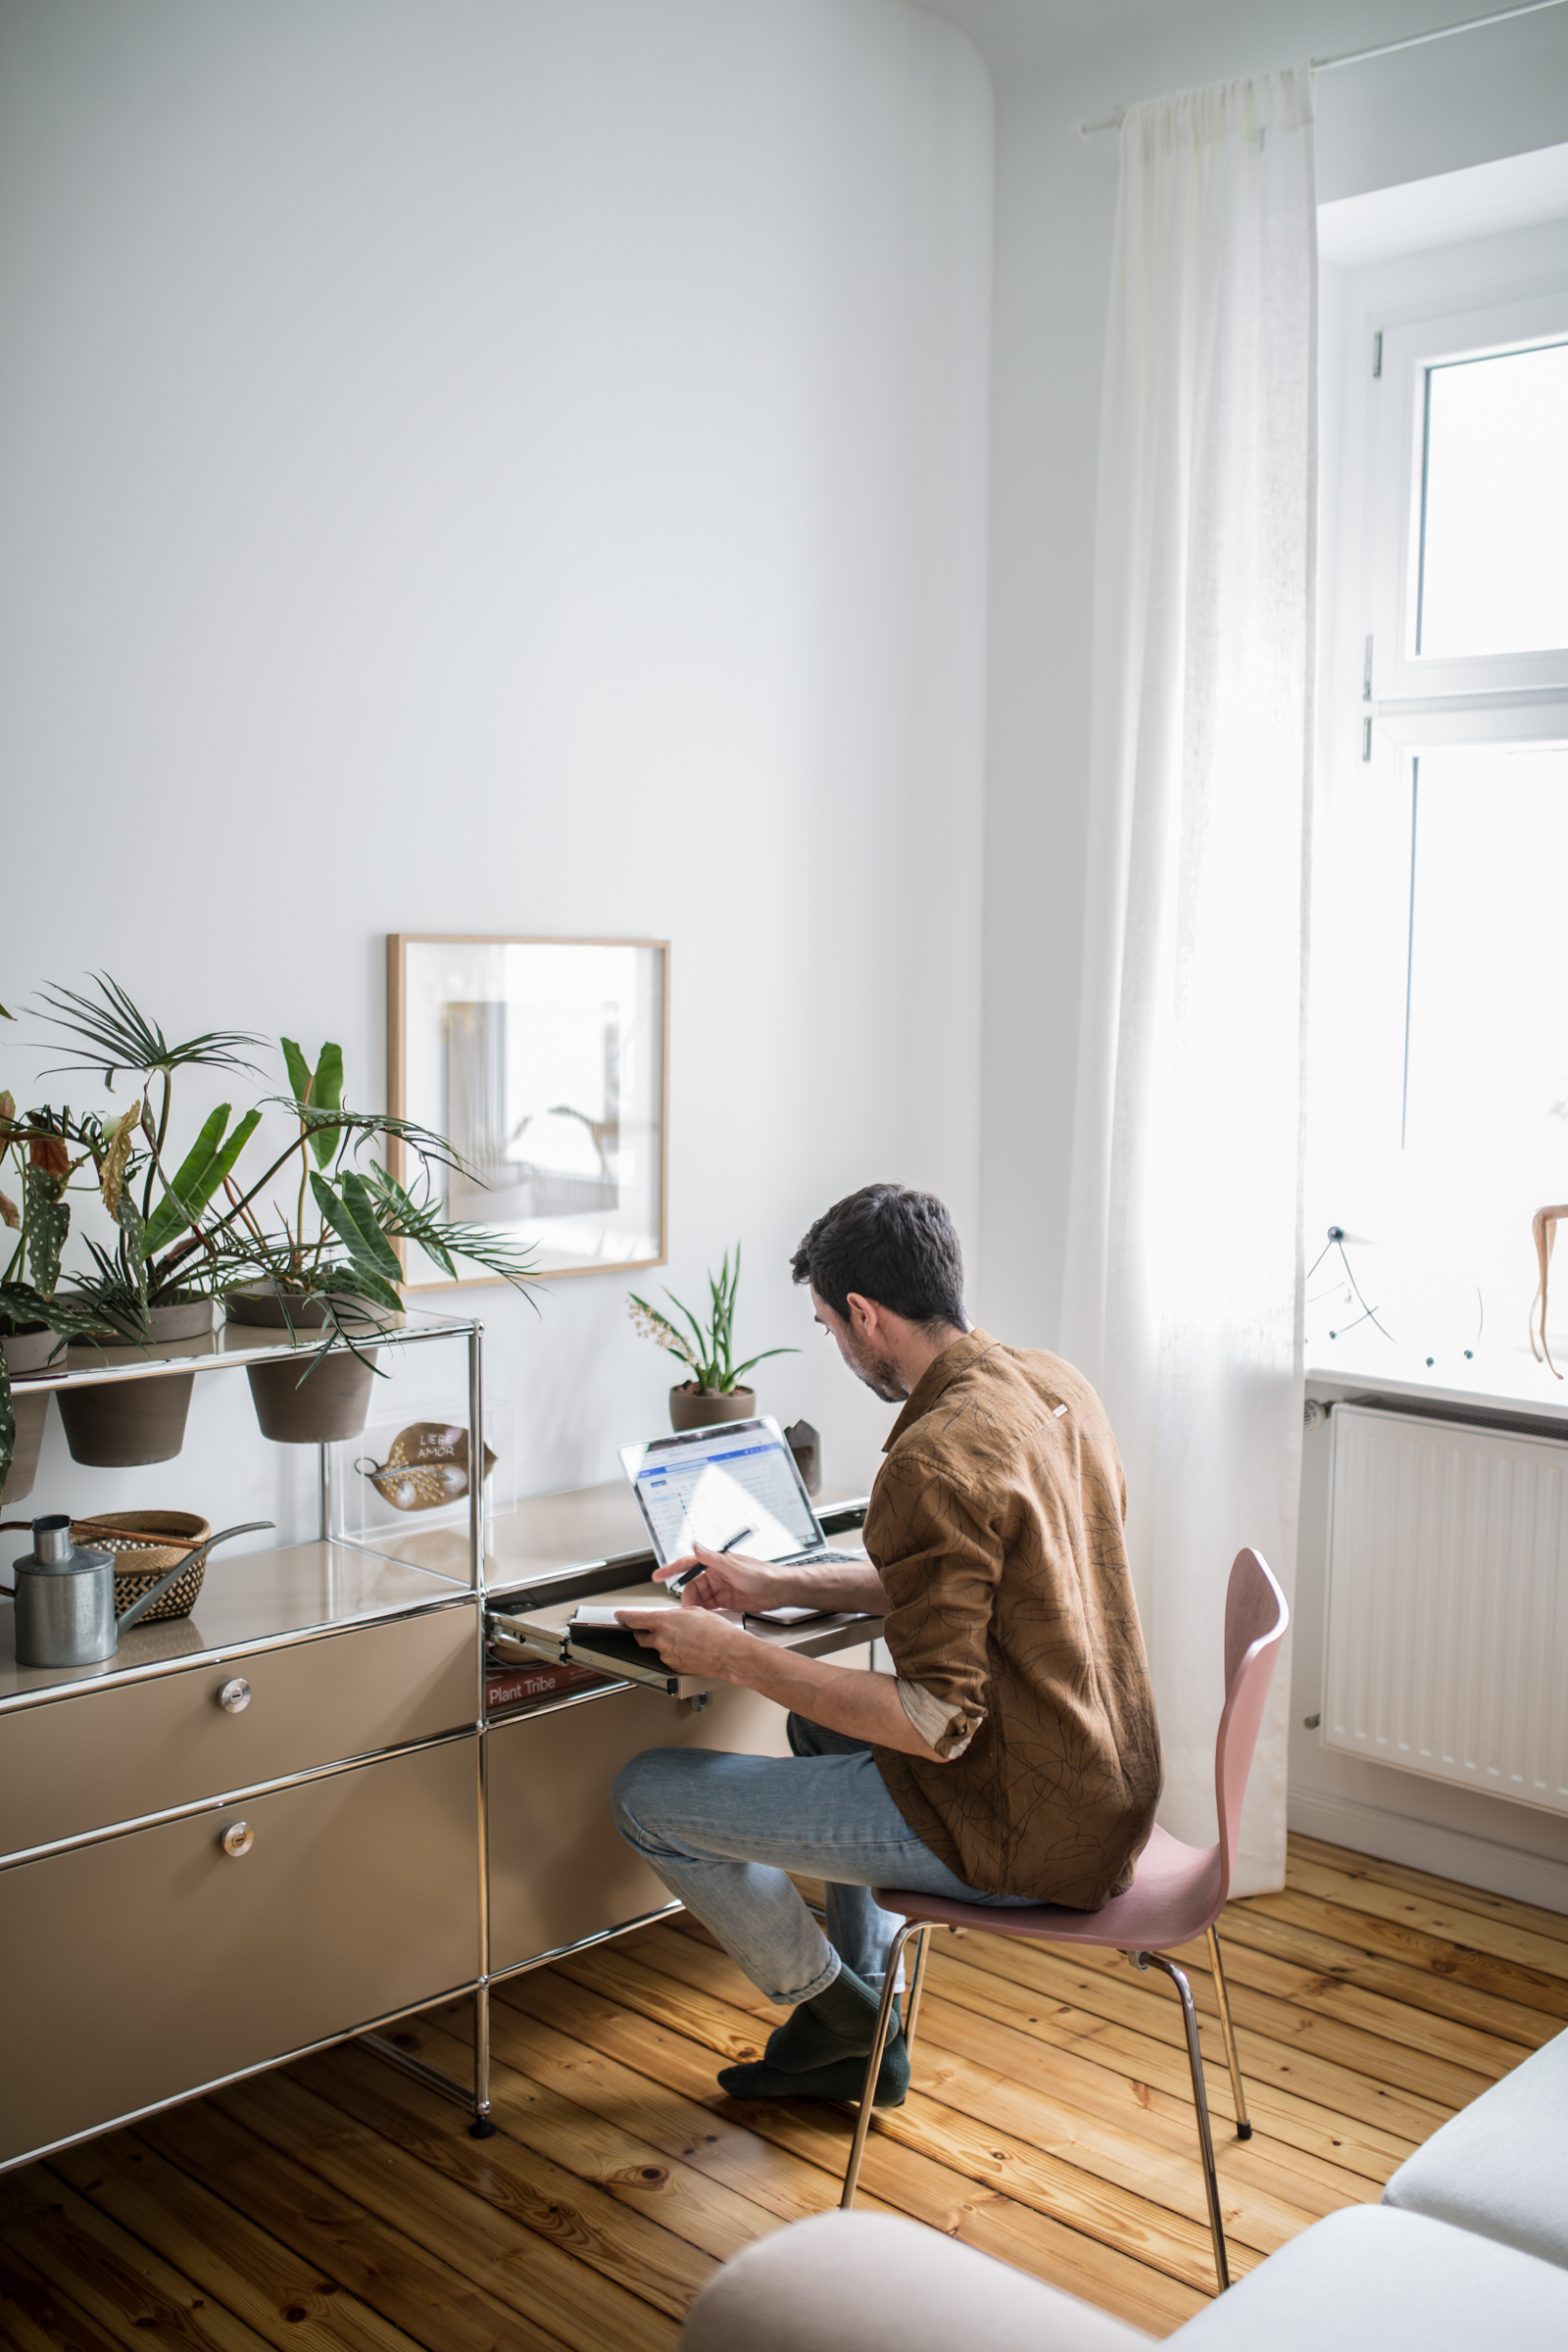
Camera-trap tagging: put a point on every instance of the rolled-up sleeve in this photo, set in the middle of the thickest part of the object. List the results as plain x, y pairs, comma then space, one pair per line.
940, 1562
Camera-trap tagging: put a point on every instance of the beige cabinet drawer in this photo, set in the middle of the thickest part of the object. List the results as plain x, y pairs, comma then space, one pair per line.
102, 1755
140, 1969
560, 1870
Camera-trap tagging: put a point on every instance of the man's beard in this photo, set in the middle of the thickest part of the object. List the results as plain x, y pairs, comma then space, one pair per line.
880, 1375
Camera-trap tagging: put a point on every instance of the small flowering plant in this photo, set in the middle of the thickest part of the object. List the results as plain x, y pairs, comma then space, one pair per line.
707, 1353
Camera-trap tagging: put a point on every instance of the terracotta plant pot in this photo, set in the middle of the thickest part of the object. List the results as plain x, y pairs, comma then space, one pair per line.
125, 1423
692, 1408
332, 1401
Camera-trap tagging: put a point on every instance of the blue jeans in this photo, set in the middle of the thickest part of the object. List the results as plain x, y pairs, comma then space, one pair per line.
721, 1831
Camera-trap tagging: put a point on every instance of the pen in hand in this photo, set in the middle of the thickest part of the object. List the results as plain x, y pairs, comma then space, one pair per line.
678, 1584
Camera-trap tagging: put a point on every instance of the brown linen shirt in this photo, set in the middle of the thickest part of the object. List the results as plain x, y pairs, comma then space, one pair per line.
996, 1526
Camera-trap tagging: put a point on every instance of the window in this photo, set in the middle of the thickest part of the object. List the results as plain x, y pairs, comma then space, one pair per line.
1438, 1120
1492, 531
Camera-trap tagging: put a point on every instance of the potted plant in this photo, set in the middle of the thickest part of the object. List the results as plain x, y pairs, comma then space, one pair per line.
332, 1267
35, 1323
714, 1393
157, 1284
186, 1238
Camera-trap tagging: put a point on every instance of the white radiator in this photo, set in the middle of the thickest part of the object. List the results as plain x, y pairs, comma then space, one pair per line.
1448, 1620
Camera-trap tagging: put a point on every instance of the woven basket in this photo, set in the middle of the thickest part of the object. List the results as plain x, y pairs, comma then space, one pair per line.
152, 1558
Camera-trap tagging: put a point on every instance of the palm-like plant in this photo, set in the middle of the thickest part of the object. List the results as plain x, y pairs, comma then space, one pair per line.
107, 1034
707, 1353
344, 1260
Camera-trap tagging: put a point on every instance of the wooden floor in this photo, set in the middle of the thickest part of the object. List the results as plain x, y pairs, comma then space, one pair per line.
339, 2203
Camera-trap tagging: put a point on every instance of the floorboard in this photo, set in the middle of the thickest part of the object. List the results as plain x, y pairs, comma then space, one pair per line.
340, 2205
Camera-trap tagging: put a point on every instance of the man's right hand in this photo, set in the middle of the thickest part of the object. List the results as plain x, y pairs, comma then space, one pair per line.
728, 1580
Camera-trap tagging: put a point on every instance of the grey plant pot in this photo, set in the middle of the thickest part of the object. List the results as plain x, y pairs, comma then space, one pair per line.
125, 1423
26, 1351
30, 1414
31, 1351
701, 1408
332, 1401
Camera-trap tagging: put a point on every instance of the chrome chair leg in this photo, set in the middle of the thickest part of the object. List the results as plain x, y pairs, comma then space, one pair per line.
1244, 2129
911, 1999
1205, 2137
862, 2121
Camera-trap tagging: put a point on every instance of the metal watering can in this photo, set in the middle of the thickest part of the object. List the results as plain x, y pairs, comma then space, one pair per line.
65, 1597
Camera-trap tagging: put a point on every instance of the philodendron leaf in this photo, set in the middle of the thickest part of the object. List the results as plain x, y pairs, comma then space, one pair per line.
8, 1422
299, 1069
351, 1215
360, 1203
48, 1223
326, 1094
204, 1168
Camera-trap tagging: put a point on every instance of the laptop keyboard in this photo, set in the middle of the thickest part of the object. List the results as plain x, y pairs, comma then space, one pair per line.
822, 1559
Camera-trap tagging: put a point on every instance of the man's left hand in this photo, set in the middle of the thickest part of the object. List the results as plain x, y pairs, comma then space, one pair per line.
692, 1640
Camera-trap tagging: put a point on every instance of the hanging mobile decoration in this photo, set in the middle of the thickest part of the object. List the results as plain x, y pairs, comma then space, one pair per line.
1368, 1314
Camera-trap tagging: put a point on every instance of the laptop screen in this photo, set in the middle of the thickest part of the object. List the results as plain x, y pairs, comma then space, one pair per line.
734, 1488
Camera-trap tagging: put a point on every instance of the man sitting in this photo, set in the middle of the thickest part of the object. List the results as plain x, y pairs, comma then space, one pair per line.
1012, 1756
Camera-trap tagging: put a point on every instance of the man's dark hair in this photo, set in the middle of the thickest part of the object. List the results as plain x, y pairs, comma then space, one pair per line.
894, 1246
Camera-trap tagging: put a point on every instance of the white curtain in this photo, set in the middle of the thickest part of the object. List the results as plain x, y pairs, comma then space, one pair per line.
1184, 1272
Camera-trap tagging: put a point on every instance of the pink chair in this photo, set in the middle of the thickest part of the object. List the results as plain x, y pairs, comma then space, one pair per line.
1178, 1894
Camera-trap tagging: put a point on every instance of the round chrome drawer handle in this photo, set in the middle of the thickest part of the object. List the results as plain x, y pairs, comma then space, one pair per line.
235, 1697
238, 1837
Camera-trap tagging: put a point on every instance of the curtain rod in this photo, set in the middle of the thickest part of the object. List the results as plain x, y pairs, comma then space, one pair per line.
1356, 56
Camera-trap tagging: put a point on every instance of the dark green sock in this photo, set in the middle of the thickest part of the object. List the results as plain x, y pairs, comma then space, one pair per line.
820, 2050
840, 2021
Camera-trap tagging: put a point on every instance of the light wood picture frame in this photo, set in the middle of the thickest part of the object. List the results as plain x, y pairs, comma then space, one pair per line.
546, 1062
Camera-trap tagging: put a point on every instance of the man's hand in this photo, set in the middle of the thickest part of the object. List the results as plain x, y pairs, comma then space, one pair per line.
728, 1580
692, 1641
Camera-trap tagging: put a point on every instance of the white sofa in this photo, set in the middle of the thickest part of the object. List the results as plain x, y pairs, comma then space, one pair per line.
1468, 2248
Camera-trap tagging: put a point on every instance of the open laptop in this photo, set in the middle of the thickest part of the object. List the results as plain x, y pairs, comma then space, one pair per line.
735, 1486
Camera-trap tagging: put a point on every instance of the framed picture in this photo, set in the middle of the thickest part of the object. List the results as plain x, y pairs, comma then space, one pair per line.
544, 1060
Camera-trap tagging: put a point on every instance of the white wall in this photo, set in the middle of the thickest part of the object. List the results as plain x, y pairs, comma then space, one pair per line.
510, 465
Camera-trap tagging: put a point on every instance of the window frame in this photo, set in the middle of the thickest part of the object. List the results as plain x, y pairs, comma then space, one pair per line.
1498, 292
1403, 680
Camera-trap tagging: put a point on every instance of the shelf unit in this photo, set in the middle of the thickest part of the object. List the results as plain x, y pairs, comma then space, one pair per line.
402, 1850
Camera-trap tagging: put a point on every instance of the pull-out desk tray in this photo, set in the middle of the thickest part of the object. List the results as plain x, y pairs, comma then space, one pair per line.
553, 1543
544, 1630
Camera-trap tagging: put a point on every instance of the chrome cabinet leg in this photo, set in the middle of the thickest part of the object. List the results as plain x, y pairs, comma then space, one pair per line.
481, 2126
1205, 2137
1244, 2129
862, 2121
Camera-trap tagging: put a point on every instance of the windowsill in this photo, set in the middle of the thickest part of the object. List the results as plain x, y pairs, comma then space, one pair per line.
1499, 1378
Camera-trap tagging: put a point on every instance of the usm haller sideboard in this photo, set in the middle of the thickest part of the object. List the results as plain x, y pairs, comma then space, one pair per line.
284, 1819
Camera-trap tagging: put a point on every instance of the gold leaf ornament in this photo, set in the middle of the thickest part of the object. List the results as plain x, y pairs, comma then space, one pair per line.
426, 1465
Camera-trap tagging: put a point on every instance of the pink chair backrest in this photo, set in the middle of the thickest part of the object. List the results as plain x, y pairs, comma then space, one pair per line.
1257, 1615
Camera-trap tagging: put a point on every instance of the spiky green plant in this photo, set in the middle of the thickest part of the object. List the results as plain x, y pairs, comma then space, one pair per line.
707, 1353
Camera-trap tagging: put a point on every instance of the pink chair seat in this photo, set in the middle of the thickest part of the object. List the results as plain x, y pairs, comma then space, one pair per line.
1178, 1894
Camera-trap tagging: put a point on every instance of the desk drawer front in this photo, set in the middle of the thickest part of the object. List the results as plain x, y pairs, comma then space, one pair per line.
560, 1870
140, 1969
101, 1756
